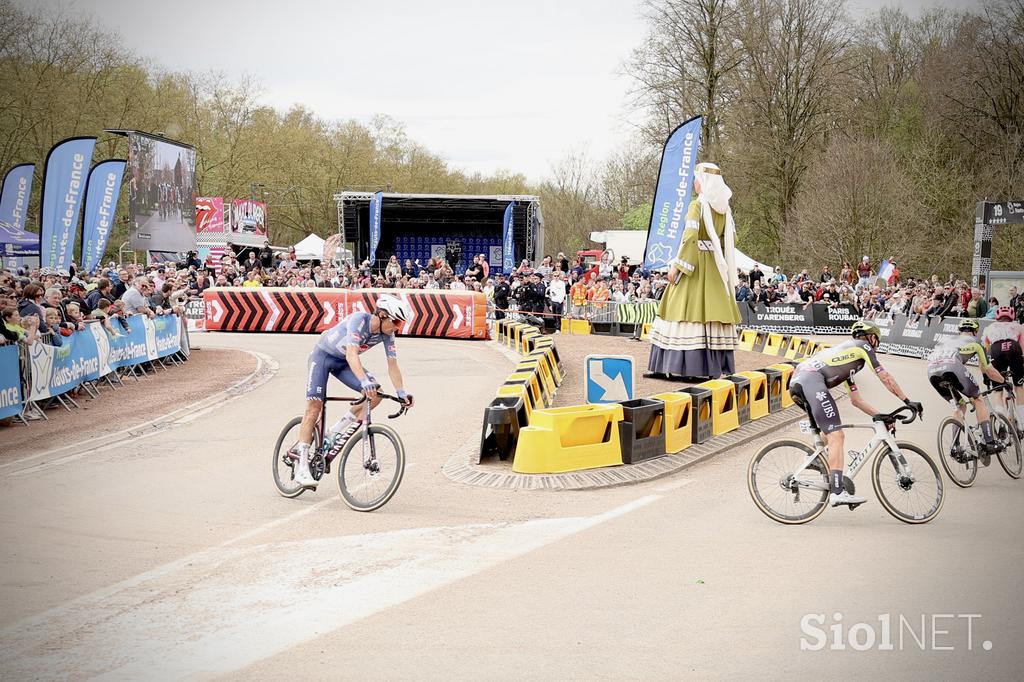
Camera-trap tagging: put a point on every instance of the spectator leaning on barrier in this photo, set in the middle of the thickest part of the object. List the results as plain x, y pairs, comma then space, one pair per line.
22, 329
135, 298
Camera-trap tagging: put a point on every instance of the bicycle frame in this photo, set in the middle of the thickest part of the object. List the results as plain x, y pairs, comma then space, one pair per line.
883, 437
323, 419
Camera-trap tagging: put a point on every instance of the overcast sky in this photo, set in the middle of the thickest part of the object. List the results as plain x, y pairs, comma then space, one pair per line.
487, 85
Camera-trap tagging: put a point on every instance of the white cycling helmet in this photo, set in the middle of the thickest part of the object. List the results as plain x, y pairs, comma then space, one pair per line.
395, 307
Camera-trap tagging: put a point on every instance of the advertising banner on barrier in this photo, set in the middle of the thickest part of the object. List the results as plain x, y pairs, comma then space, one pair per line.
447, 314
672, 194
67, 166
195, 315
10, 382
58, 369
101, 194
508, 256
375, 206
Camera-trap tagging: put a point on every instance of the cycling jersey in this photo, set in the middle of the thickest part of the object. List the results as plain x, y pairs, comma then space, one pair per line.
1003, 331
839, 364
947, 366
354, 330
958, 349
1004, 341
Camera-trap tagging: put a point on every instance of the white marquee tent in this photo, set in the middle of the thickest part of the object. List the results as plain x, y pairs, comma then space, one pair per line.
309, 248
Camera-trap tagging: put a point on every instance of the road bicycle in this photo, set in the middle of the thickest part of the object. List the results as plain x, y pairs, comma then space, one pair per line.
372, 457
788, 479
958, 446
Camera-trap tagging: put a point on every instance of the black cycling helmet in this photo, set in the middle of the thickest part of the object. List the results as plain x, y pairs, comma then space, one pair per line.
968, 325
863, 328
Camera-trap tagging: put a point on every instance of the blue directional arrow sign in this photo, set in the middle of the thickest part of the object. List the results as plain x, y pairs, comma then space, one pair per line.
610, 378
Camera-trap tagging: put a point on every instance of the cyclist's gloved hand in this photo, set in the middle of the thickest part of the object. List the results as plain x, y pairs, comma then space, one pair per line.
915, 406
369, 386
405, 397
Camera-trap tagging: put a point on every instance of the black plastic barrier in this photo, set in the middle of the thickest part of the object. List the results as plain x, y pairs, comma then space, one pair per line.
701, 412
642, 430
742, 397
502, 420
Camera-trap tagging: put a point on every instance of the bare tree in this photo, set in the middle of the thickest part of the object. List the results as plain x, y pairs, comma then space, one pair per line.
682, 67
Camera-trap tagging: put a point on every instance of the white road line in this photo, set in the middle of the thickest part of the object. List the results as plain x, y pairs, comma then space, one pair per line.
227, 607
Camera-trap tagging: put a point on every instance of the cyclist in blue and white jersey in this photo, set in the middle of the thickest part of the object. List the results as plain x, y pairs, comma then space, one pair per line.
337, 354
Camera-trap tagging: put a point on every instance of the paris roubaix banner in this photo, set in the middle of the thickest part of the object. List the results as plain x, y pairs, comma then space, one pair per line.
912, 336
15, 242
95, 352
64, 176
375, 206
101, 195
435, 313
10, 382
508, 257
672, 194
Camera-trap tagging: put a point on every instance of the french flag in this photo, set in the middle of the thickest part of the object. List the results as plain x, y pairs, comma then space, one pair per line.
886, 270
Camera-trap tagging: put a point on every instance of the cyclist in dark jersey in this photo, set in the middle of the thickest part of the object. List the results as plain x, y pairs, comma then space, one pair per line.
947, 363
337, 354
1004, 340
827, 369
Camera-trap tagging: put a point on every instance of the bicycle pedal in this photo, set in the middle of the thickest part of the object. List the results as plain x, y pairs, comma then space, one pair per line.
853, 506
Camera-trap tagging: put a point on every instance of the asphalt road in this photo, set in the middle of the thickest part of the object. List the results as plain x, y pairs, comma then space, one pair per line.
173, 557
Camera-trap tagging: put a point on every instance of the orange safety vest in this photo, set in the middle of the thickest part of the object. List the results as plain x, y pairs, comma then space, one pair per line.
578, 292
599, 296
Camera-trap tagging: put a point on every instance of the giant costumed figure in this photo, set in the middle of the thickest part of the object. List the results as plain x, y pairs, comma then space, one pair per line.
694, 334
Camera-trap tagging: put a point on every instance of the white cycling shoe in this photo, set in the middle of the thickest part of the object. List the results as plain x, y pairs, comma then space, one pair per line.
845, 498
302, 475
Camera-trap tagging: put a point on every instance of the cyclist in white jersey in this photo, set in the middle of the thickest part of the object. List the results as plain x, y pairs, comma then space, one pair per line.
337, 354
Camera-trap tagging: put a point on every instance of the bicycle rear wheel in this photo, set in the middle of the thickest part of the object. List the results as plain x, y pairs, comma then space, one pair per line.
366, 486
1010, 456
955, 453
283, 465
778, 492
912, 494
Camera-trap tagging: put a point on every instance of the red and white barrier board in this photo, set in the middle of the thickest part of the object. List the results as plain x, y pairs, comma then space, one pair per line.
436, 313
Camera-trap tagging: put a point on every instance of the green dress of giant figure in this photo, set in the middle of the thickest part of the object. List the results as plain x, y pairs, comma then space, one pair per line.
694, 334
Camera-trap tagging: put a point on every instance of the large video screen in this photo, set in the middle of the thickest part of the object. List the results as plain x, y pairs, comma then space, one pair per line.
162, 198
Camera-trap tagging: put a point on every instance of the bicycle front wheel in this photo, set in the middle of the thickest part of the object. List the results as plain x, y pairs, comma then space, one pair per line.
955, 453
908, 483
372, 466
283, 463
780, 492
1006, 435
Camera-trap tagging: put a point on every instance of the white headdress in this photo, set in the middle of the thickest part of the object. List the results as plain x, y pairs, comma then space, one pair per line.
715, 194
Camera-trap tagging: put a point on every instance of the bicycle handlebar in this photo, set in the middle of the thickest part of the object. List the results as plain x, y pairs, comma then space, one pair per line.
404, 408
897, 415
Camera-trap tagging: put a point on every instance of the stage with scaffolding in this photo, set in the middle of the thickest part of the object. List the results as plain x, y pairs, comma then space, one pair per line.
453, 227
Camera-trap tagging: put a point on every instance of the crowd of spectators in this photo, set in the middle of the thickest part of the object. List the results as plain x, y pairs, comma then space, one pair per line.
49, 305
872, 293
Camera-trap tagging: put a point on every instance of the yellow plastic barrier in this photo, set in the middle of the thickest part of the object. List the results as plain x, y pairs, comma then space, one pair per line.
524, 339
512, 336
570, 439
548, 358
797, 347
519, 391
724, 417
678, 429
547, 342
532, 381
540, 366
787, 375
575, 326
758, 393
771, 347
747, 339
645, 333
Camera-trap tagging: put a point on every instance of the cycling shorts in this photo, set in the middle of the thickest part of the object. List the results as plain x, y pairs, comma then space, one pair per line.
809, 391
322, 365
1006, 355
954, 373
